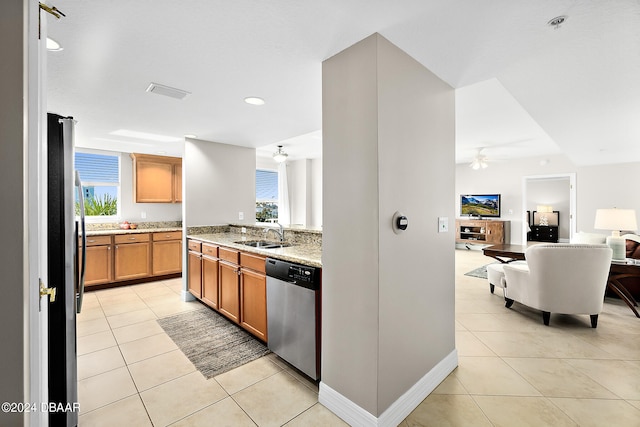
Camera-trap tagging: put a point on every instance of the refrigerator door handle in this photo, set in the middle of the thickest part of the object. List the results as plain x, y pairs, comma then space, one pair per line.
83, 245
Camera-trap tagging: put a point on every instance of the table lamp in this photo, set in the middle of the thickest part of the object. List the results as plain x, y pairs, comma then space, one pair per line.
616, 220
542, 211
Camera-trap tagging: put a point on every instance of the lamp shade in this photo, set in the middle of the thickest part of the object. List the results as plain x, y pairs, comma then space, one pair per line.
544, 208
616, 219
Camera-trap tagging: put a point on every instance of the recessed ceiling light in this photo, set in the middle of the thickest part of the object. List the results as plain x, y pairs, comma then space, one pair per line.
53, 45
144, 135
190, 135
254, 100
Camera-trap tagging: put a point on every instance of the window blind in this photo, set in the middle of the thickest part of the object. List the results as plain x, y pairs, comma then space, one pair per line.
266, 185
97, 168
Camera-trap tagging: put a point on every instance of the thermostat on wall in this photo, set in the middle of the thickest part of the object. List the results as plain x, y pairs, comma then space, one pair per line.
399, 222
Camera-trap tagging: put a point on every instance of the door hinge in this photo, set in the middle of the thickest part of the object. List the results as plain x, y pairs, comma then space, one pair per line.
47, 291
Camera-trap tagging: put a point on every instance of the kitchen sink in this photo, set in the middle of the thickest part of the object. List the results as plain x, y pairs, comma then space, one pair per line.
263, 244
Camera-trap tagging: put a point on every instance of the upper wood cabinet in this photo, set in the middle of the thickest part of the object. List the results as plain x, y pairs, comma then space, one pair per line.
157, 179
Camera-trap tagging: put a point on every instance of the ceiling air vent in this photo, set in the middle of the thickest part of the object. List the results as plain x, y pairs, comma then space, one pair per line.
167, 91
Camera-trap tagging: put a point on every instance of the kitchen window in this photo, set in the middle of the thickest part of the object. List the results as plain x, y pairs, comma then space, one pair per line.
266, 195
100, 176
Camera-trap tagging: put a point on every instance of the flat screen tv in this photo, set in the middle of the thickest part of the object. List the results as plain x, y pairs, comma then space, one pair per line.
482, 205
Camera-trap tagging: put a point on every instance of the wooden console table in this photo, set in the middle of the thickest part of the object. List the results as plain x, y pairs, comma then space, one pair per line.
508, 253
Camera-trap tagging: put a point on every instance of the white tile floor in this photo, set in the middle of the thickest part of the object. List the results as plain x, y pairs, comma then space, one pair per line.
512, 369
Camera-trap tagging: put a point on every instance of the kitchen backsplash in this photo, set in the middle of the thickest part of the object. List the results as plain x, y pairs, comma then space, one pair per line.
97, 226
291, 235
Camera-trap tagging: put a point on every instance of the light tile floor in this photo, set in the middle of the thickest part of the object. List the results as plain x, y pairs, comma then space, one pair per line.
512, 369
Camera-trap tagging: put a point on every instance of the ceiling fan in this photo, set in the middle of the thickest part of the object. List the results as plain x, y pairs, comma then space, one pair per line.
480, 161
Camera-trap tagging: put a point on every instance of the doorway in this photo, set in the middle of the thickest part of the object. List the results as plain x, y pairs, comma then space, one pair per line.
556, 192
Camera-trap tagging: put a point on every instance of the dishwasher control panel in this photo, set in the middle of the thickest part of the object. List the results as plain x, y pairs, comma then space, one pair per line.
301, 273
298, 274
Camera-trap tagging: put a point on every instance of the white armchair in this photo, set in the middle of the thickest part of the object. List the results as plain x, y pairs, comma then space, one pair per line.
560, 278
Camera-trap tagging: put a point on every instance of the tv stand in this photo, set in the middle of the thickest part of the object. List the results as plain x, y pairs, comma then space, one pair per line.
483, 231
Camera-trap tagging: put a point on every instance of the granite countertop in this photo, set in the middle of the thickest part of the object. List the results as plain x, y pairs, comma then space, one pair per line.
302, 253
136, 231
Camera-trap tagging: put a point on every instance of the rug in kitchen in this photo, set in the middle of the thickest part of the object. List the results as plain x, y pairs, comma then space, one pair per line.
211, 342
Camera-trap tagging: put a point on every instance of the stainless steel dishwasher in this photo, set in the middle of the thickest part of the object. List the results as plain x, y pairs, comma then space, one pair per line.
293, 314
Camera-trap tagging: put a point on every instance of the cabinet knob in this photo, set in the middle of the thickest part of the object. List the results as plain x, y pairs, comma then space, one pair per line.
132, 238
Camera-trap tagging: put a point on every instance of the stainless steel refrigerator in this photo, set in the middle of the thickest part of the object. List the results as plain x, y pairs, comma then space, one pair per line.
66, 254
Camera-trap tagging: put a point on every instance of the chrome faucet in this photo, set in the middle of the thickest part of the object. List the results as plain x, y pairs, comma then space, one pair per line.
279, 232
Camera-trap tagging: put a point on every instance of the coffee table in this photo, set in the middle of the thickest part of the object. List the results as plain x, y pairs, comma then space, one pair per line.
505, 253
509, 253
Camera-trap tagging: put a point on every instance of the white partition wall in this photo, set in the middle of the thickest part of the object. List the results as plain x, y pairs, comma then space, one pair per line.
388, 299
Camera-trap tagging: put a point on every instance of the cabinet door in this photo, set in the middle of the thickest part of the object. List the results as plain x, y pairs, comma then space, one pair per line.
99, 265
132, 261
495, 232
194, 273
254, 303
177, 183
210, 281
229, 297
167, 257
153, 182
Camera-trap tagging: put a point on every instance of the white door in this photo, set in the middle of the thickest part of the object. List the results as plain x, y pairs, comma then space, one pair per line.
37, 221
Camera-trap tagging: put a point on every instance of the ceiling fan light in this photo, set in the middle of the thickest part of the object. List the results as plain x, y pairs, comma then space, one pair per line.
280, 156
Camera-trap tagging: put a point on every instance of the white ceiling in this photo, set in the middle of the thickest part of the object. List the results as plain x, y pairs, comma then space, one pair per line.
524, 88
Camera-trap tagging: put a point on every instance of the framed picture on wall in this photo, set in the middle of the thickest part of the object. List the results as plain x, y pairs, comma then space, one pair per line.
551, 219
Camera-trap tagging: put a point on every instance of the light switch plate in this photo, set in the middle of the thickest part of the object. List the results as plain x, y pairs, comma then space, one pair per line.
443, 224
240, 216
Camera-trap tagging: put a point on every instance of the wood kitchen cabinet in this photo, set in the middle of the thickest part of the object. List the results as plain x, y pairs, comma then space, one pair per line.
194, 268
229, 283
167, 253
132, 256
157, 179
177, 182
232, 282
253, 295
210, 266
99, 260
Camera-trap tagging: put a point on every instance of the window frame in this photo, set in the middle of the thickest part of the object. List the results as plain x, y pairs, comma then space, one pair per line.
118, 185
274, 201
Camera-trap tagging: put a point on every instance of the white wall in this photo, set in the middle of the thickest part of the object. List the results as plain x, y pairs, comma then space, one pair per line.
316, 193
388, 130
299, 178
602, 186
18, 130
219, 181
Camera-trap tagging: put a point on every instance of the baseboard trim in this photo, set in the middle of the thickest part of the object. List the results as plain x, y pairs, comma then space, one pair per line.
354, 415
